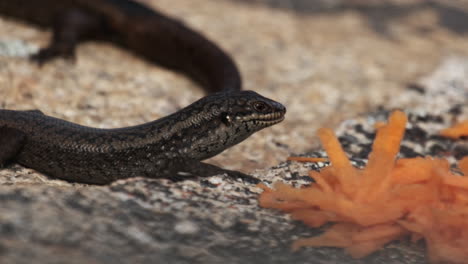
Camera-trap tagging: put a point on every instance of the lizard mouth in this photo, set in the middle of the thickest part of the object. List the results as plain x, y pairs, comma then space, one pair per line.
271, 119
265, 119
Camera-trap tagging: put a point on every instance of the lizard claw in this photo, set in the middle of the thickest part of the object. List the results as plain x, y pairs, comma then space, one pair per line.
47, 54
242, 176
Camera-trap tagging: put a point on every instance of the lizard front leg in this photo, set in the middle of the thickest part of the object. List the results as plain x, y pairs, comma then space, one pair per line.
184, 169
11, 142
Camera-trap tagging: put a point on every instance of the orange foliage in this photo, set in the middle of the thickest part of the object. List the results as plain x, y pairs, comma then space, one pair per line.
457, 131
387, 200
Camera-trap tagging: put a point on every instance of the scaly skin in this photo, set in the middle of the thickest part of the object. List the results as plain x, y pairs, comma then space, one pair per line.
171, 147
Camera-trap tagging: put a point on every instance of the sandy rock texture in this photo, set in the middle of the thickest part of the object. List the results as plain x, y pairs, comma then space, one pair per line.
328, 61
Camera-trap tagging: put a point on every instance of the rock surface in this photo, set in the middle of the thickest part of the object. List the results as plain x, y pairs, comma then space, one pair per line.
338, 57
208, 220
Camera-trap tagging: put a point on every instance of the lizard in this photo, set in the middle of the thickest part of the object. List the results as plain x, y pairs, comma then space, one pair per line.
172, 147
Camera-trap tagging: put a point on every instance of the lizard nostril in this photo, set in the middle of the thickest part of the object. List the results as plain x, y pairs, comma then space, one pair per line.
280, 108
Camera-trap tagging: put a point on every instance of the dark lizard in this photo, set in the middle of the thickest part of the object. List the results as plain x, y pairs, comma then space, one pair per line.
171, 147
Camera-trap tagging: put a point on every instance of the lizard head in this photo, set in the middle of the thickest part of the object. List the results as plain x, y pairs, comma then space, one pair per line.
228, 118
247, 111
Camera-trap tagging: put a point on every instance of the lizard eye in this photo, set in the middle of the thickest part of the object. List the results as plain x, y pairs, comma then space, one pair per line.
226, 119
260, 106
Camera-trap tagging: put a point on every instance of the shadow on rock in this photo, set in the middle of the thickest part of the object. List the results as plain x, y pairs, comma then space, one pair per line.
379, 15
